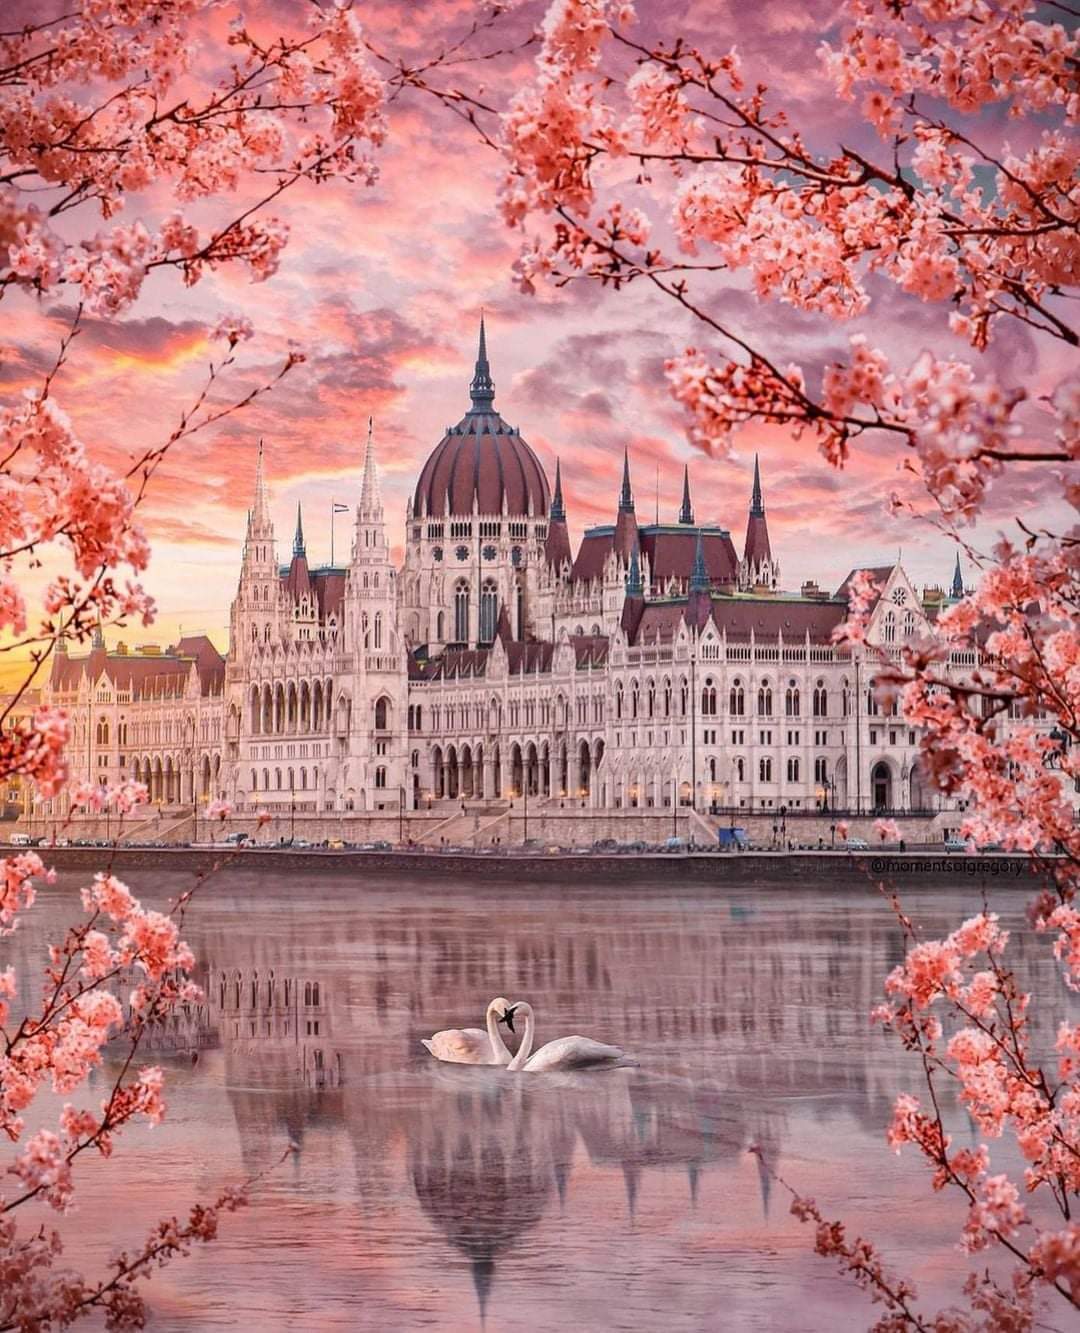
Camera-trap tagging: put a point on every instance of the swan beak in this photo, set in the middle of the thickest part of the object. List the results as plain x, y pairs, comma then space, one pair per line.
508, 1017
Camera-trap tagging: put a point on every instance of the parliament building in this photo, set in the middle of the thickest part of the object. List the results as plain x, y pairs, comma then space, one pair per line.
657, 666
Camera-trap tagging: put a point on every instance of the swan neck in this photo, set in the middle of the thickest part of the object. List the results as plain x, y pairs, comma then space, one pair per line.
526, 1044
498, 1046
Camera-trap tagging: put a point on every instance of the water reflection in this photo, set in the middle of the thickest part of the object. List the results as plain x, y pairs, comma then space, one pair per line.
748, 1018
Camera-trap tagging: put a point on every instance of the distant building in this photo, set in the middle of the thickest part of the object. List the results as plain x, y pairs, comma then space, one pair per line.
655, 666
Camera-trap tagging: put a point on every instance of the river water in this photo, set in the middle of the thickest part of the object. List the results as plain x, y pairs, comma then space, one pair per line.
430, 1196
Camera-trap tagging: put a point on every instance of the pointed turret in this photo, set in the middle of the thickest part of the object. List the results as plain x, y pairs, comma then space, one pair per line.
626, 528
699, 602
371, 508
699, 575
757, 507
259, 522
626, 496
557, 544
482, 387
758, 567
298, 580
957, 589
634, 586
686, 513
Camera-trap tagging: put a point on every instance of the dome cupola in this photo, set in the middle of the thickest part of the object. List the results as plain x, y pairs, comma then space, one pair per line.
482, 465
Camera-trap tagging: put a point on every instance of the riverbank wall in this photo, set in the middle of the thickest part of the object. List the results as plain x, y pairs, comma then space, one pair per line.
797, 870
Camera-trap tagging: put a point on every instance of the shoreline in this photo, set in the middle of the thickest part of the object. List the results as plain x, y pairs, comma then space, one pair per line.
720, 868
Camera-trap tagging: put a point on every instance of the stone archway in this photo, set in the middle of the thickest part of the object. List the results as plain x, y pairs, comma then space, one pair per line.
881, 786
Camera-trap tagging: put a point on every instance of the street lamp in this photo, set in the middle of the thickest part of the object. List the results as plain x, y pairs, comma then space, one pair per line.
292, 807
401, 816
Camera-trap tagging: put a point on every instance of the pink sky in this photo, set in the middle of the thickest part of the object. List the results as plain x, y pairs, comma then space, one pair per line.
382, 288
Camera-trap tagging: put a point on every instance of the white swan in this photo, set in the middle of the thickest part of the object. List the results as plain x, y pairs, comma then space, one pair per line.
563, 1053
474, 1046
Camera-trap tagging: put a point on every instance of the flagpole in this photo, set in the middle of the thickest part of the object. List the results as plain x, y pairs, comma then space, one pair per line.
333, 513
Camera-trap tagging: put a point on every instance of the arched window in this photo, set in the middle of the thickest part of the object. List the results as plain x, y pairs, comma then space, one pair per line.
378, 629
764, 699
792, 700
845, 699
909, 624
303, 779
888, 627
277, 778
618, 700
102, 732
461, 612
765, 770
821, 769
266, 779
872, 706
489, 610
737, 699
793, 770
380, 777
254, 780
821, 700
708, 698
740, 770
381, 710
439, 626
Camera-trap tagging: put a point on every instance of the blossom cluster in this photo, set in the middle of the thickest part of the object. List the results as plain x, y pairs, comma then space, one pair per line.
306, 105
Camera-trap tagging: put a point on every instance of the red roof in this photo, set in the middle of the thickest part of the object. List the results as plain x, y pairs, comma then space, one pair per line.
671, 553
757, 548
144, 676
481, 463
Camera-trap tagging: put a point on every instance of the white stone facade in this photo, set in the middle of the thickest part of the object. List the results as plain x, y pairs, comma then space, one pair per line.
654, 669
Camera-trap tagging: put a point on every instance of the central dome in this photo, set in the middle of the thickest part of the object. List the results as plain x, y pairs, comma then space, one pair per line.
482, 464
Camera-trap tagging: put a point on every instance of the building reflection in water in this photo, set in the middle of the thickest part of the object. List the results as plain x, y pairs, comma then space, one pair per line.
735, 1024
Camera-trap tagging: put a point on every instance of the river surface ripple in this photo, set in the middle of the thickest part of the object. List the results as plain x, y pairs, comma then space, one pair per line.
434, 1196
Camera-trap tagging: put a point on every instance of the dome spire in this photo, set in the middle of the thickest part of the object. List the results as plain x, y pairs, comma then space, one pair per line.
686, 513
482, 387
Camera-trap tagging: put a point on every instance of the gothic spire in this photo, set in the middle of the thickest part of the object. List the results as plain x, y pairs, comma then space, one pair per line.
298, 540
634, 585
626, 498
686, 513
557, 512
259, 516
370, 496
757, 506
699, 577
482, 387
957, 579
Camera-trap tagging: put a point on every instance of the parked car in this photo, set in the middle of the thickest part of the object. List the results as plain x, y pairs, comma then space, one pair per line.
21, 840
237, 839
336, 844
732, 839
857, 845
955, 845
